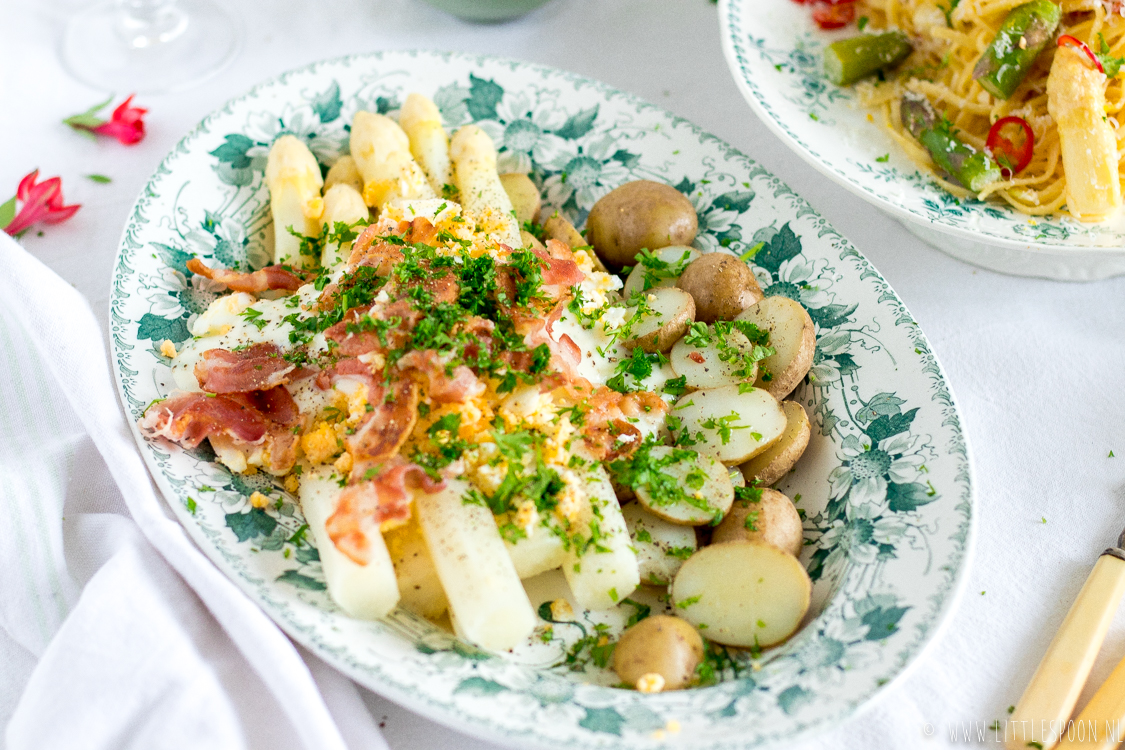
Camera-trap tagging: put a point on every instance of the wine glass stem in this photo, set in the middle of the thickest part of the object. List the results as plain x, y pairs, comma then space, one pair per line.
148, 23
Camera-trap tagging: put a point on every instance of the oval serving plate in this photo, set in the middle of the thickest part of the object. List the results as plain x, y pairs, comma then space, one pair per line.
885, 485
775, 53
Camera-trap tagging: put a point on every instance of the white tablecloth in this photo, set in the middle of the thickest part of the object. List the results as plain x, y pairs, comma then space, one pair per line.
1038, 366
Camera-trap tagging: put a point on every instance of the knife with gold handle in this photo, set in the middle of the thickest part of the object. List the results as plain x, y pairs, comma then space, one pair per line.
1049, 699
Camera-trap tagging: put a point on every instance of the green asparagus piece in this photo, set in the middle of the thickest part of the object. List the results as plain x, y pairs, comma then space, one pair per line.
1022, 36
964, 164
849, 60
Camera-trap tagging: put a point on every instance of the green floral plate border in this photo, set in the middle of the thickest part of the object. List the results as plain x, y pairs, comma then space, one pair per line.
885, 485
775, 52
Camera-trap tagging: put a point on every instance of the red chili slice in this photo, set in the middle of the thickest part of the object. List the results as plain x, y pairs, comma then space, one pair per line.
1013, 155
834, 16
1066, 40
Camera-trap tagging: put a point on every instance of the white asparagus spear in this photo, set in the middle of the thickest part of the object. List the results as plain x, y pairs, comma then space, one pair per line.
599, 580
365, 591
429, 144
1076, 102
345, 171
418, 582
342, 203
294, 181
382, 154
537, 553
485, 595
482, 195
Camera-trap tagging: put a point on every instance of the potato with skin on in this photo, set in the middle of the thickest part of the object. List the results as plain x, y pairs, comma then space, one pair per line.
703, 479
732, 422
793, 339
558, 227
421, 121
660, 644
418, 582
772, 464
482, 194
668, 313
382, 155
294, 181
676, 257
342, 203
722, 285
702, 366
367, 592
344, 171
638, 215
524, 196
748, 594
773, 519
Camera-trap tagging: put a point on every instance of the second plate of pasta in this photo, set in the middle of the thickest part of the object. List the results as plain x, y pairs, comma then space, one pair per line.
869, 134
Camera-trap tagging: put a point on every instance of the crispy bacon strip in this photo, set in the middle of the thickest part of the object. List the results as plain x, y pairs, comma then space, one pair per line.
270, 277
382, 431
363, 506
254, 368
458, 388
188, 418
607, 432
561, 268
243, 419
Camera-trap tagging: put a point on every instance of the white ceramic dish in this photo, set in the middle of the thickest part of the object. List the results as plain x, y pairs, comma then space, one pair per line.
886, 482
774, 51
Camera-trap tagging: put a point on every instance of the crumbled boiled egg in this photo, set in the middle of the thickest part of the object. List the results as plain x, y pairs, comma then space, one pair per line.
258, 500
321, 444
561, 610
651, 682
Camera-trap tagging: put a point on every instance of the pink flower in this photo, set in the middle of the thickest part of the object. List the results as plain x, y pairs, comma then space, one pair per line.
42, 202
126, 124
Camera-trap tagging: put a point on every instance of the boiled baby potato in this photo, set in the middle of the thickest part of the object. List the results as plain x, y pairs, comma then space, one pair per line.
792, 337
747, 594
639, 215
773, 519
661, 546
775, 462
523, 194
558, 227
663, 268
694, 488
722, 285
669, 313
703, 367
733, 422
736, 477
660, 644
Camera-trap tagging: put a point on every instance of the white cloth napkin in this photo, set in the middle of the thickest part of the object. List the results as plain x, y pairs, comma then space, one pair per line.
106, 642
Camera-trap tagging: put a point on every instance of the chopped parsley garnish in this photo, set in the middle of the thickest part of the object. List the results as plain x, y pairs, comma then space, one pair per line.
657, 270
254, 317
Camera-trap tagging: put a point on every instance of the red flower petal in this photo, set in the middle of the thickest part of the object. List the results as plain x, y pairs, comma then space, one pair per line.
42, 202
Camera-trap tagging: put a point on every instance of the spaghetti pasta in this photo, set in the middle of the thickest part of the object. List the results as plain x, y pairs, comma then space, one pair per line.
948, 43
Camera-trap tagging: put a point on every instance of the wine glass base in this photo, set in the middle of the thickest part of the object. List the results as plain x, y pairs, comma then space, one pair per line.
190, 41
